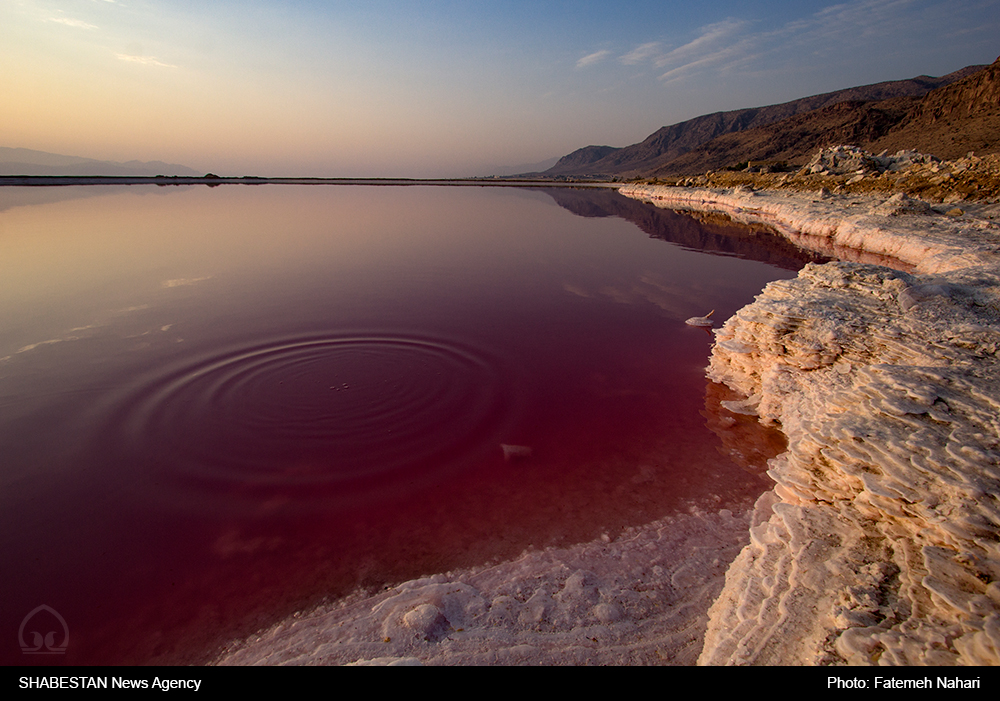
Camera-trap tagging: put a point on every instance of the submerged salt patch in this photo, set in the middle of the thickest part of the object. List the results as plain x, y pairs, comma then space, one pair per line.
515, 452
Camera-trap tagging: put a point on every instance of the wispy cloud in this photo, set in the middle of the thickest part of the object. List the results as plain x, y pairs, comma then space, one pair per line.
862, 13
643, 52
721, 58
181, 281
591, 59
711, 37
144, 60
839, 29
849, 21
736, 42
78, 23
715, 44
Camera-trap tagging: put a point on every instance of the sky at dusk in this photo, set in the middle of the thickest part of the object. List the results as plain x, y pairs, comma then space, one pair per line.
435, 89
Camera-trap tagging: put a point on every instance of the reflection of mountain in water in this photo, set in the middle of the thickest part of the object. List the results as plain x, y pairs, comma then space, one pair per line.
701, 232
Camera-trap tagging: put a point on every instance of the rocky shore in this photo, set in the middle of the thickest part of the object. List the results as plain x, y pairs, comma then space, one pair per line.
880, 543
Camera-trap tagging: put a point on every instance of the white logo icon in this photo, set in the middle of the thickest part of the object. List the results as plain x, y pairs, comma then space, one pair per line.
38, 627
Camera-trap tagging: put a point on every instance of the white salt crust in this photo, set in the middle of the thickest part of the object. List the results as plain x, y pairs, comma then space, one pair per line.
641, 598
880, 543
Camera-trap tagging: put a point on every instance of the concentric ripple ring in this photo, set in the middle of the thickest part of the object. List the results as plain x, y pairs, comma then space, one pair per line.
315, 413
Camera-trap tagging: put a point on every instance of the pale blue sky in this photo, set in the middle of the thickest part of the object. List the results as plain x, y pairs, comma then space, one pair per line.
436, 88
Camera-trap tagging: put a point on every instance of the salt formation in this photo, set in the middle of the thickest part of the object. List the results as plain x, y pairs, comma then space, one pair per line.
701, 320
841, 160
880, 543
641, 598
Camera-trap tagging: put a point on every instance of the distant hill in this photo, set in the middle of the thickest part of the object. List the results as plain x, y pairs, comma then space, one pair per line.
948, 122
581, 159
671, 142
23, 161
497, 170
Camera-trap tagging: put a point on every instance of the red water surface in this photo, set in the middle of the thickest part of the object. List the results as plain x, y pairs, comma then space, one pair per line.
221, 407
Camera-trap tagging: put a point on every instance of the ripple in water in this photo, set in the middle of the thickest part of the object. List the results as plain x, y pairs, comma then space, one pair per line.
330, 416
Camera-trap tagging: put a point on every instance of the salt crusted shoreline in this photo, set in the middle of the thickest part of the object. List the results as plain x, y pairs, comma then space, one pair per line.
640, 597
880, 543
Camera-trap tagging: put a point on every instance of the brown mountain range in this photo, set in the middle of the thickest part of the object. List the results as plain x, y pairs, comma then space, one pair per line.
669, 143
947, 122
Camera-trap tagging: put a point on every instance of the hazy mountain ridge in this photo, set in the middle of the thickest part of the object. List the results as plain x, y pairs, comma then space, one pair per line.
507, 170
672, 142
23, 161
582, 157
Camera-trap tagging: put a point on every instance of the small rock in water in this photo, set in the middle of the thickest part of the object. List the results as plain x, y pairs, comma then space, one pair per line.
515, 452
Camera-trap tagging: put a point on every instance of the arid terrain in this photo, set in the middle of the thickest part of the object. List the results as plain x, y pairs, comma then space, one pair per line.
947, 117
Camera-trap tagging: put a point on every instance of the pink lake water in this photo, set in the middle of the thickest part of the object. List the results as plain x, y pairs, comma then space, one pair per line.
219, 406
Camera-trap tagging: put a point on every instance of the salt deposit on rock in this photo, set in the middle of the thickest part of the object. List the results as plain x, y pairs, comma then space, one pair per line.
840, 160
843, 160
880, 543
